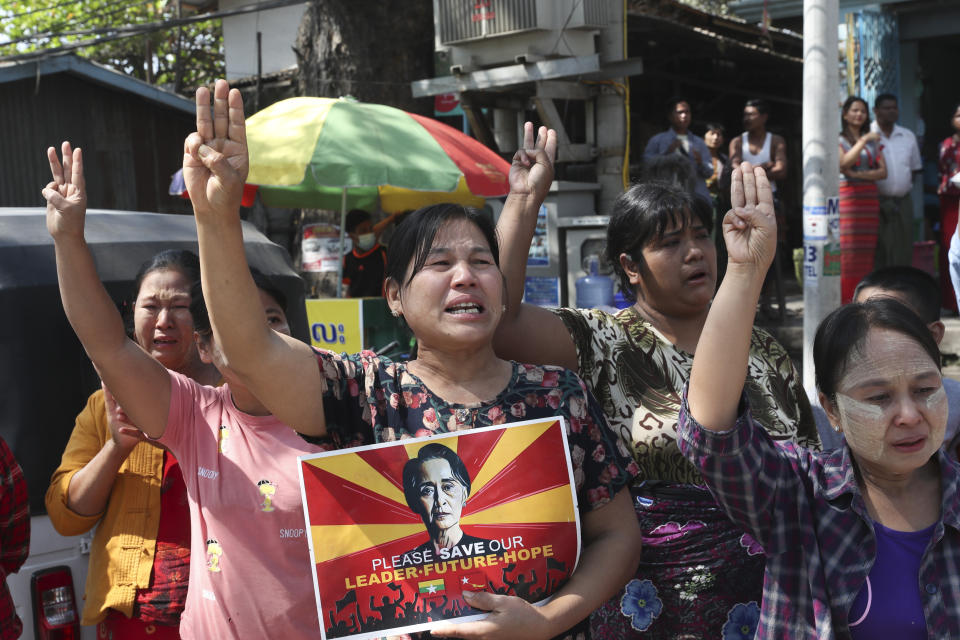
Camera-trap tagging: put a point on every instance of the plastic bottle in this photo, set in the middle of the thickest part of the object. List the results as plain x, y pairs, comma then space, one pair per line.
594, 290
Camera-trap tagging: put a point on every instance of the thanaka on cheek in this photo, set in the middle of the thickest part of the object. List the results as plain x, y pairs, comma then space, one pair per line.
891, 397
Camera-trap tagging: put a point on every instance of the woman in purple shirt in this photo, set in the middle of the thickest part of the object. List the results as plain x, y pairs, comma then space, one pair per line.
861, 542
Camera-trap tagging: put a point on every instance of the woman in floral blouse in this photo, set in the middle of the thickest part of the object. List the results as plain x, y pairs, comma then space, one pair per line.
443, 277
700, 576
949, 191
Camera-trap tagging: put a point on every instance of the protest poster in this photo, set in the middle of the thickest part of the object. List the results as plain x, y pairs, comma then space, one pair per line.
320, 248
399, 530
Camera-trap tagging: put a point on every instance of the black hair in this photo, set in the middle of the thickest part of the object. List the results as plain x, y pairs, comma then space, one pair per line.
919, 288
198, 307
642, 213
716, 126
186, 262
883, 97
846, 107
845, 330
762, 106
674, 169
671, 104
355, 218
411, 471
413, 238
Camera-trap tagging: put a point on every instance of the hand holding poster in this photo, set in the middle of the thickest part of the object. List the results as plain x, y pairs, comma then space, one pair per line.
399, 530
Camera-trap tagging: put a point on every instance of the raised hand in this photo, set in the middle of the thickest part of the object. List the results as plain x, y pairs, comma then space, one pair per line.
750, 227
66, 194
215, 160
531, 172
124, 434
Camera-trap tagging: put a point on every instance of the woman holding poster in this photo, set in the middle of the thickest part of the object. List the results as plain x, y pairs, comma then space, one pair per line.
444, 279
698, 573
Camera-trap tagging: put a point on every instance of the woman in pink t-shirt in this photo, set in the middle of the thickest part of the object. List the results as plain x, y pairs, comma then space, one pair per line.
451, 294
248, 577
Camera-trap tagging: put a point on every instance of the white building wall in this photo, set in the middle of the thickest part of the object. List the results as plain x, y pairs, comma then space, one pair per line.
278, 29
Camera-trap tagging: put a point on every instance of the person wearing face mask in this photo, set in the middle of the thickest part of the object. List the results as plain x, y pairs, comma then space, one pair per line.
863, 541
364, 267
445, 281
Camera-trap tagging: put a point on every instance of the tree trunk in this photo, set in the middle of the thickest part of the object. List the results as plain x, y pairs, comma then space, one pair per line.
369, 49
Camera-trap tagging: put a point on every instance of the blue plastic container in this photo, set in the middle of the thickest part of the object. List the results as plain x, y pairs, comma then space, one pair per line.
594, 290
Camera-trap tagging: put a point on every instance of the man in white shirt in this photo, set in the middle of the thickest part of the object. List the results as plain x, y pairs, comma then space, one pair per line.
895, 236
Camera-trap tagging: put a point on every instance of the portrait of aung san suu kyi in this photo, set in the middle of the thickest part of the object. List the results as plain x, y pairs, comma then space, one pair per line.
436, 484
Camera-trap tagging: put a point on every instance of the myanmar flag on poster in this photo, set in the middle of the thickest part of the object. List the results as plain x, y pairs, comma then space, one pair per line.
399, 530
432, 586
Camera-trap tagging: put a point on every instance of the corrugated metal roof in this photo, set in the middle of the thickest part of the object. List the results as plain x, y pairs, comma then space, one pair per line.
97, 73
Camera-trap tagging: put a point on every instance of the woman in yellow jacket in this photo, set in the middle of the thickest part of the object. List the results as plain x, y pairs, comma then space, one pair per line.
139, 560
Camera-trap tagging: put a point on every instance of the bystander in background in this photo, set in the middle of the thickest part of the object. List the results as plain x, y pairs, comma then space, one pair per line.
680, 141
899, 146
364, 268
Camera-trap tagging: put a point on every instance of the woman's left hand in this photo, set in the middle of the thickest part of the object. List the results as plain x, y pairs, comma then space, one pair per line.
215, 159
750, 227
66, 195
531, 171
510, 617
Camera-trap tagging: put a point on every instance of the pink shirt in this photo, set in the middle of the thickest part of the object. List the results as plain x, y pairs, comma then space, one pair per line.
250, 574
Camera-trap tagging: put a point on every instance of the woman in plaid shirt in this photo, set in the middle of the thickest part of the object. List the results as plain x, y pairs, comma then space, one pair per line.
861, 542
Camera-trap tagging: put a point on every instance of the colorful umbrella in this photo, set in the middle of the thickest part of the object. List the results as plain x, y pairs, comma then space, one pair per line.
309, 152
330, 153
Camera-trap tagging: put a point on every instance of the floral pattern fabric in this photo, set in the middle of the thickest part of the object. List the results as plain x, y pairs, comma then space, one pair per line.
637, 376
372, 399
700, 565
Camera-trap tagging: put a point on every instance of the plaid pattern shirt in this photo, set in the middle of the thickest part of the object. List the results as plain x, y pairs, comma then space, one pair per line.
14, 536
807, 511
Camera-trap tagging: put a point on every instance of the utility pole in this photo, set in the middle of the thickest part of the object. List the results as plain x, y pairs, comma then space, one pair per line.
821, 169
610, 121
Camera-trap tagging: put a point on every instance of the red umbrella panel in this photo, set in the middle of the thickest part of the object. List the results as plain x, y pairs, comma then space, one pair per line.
179, 188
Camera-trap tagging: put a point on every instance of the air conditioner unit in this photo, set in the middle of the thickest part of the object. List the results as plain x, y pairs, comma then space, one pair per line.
485, 33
